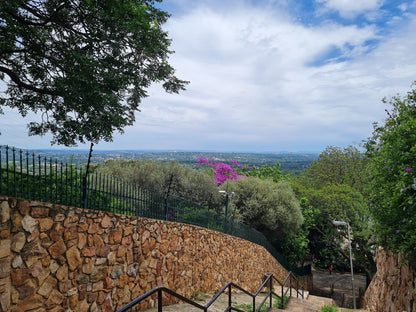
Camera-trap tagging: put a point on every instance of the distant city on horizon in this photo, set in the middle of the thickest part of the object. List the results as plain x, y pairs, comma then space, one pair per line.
291, 162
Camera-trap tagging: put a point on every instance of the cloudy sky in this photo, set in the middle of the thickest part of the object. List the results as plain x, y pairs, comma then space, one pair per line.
270, 76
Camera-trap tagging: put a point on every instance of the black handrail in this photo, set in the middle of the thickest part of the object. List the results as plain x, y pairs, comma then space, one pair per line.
267, 282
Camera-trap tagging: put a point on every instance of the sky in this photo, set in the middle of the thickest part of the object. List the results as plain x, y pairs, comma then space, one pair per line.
269, 76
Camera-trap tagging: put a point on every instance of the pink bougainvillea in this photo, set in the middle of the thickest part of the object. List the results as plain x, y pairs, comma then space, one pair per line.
221, 171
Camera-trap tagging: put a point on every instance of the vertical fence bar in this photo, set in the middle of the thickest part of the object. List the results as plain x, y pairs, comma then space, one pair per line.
114, 199
56, 182
77, 186
102, 207
95, 197
14, 172
34, 174
21, 173
72, 184
108, 196
40, 177
51, 195
27, 174
7, 170
44, 178
62, 182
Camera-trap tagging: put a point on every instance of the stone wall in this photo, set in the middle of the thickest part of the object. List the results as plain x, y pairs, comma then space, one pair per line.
56, 258
393, 287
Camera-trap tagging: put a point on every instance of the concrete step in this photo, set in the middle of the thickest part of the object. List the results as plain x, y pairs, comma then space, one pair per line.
311, 304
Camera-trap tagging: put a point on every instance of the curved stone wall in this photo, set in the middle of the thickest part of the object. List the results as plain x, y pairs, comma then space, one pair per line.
56, 258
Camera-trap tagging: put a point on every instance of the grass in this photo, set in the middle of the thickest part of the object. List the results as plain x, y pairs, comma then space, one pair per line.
276, 304
329, 308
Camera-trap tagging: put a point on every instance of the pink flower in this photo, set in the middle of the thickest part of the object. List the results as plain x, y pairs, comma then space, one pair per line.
234, 163
408, 169
203, 161
221, 171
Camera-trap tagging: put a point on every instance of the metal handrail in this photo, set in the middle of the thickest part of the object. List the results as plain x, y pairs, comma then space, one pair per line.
270, 293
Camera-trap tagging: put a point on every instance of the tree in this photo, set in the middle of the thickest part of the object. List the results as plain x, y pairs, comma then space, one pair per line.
83, 66
336, 188
392, 153
178, 179
265, 172
337, 165
270, 207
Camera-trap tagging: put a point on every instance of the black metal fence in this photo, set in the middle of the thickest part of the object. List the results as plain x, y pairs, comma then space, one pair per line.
24, 174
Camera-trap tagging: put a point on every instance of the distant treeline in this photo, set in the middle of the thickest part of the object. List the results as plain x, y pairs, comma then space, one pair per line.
291, 163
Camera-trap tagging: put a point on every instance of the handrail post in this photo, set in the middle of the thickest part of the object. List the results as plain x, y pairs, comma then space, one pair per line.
254, 303
290, 285
159, 300
297, 288
271, 290
229, 297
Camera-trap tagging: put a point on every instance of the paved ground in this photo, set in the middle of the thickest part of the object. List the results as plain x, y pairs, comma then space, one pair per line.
338, 286
219, 306
341, 283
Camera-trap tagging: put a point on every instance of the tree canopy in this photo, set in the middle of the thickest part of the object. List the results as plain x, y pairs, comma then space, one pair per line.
335, 188
270, 207
392, 153
83, 66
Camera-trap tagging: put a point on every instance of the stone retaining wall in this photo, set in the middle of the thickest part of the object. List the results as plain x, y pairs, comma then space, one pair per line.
393, 287
56, 258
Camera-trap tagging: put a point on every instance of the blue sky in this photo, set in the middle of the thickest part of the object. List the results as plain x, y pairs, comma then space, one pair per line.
269, 76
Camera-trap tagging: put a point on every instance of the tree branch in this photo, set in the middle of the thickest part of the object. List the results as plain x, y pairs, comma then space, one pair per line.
16, 79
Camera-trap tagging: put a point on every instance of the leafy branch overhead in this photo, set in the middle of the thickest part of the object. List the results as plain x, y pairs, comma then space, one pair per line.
83, 66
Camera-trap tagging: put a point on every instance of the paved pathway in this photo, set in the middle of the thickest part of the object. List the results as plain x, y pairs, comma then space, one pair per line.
219, 306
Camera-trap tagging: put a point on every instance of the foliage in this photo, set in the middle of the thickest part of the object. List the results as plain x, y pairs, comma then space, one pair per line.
335, 187
392, 151
167, 177
221, 172
265, 172
202, 217
337, 165
64, 187
295, 246
83, 66
329, 308
269, 207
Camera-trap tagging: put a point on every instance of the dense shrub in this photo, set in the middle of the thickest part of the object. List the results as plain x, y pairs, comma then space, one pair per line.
392, 150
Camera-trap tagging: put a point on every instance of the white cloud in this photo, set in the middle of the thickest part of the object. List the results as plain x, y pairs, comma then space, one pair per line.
351, 8
262, 82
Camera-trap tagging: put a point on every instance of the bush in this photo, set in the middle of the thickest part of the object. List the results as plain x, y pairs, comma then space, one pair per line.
392, 150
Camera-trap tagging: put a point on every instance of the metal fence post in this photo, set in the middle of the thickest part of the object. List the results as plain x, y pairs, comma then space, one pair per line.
229, 297
159, 301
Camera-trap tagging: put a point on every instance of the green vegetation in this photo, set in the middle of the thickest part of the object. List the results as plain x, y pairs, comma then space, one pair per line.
335, 187
329, 308
84, 66
270, 207
167, 178
392, 168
